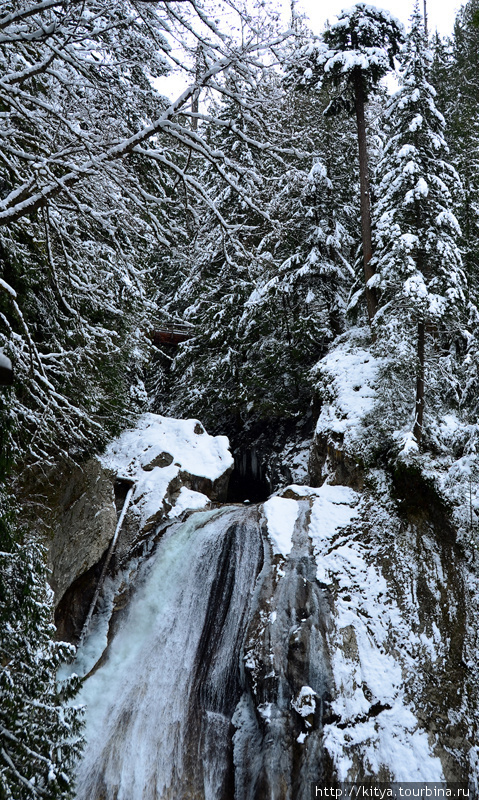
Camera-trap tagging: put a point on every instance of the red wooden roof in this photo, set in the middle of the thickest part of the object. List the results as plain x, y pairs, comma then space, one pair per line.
172, 334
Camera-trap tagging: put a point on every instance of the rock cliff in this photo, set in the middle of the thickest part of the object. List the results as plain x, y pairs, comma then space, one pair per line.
173, 465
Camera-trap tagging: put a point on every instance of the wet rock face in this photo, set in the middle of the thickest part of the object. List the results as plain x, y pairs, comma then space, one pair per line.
249, 480
269, 454
216, 490
279, 721
73, 607
433, 583
85, 521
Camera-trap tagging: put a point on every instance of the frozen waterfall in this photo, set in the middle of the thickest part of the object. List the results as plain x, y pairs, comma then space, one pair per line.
195, 698
252, 661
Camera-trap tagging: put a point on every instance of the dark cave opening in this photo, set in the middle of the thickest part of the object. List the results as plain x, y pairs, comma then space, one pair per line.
249, 480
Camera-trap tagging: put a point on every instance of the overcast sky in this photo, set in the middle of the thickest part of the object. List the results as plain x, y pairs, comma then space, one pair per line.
441, 13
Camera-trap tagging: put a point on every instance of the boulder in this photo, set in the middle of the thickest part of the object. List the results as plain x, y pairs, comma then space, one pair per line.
84, 524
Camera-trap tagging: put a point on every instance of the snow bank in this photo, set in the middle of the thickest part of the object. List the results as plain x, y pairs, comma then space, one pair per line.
346, 379
281, 515
351, 380
377, 723
361, 414
160, 454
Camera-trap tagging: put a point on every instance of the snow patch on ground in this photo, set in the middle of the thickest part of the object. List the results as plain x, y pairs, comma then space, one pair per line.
281, 515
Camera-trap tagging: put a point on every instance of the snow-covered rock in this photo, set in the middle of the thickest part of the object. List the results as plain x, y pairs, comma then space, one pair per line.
173, 465
162, 456
281, 514
346, 380
5, 363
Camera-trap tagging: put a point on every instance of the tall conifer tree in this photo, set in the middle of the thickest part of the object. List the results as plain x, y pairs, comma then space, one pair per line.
417, 261
353, 55
456, 69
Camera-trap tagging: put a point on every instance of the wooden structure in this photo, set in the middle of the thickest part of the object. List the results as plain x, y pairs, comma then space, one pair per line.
173, 333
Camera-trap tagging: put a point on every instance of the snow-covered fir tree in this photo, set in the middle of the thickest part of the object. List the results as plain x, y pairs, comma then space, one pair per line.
268, 295
417, 259
455, 76
298, 305
208, 377
352, 56
40, 727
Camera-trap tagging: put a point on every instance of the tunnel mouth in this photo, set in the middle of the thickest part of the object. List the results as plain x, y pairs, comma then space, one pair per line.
249, 481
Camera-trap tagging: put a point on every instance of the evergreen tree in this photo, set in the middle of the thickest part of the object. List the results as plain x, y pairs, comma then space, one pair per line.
268, 296
208, 377
39, 730
352, 56
442, 76
298, 305
418, 260
455, 76
94, 166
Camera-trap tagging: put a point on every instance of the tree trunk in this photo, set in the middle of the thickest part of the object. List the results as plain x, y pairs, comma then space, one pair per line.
418, 424
195, 100
359, 102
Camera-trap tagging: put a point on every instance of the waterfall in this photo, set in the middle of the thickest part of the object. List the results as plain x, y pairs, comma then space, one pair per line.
251, 652
172, 677
196, 696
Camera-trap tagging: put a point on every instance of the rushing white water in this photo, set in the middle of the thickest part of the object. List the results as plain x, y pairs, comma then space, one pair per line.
160, 708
